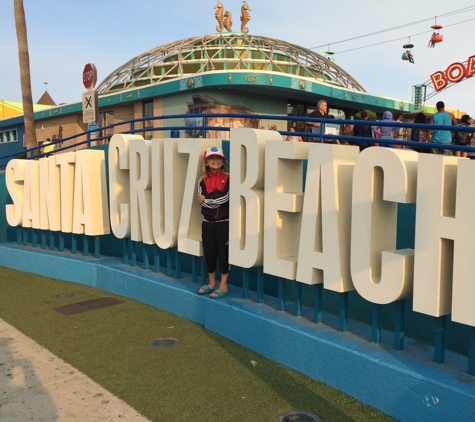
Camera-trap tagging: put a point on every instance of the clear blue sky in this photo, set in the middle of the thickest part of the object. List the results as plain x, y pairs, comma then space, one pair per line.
65, 35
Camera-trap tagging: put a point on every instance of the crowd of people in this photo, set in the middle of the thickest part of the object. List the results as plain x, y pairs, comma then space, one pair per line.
386, 132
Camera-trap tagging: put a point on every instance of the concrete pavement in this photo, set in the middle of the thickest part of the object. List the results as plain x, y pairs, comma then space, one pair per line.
36, 385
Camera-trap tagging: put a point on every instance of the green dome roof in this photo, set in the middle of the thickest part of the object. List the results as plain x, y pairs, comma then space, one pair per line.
226, 52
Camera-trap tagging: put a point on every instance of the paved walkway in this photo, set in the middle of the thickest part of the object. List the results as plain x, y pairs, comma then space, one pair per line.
36, 385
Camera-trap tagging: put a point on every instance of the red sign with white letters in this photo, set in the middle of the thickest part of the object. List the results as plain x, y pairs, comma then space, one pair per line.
89, 76
454, 73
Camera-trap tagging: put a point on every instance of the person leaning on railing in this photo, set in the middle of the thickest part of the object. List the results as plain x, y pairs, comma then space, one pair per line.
420, 135
47, 147
468, 121
444, 137
463, 138
319, 113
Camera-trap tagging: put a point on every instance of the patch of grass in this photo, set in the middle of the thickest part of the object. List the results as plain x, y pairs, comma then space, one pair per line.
203, 378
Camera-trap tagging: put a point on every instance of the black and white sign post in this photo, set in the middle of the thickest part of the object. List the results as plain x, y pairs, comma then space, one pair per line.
89, 98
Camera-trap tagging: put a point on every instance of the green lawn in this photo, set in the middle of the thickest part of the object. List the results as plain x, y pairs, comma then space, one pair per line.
203, 378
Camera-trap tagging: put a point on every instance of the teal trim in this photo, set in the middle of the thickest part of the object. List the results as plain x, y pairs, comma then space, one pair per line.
471, 351
318, 303
245, 284
168, 254
354, 99
343, 320
399, 314
297, 299
177, 264
133, 253
282, 294
260, 285
74, 244
376, 323
439, 338
156, 259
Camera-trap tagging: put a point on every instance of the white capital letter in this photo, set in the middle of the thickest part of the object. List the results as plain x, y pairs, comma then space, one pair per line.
66, 168
31, 203
324, 251
246, 194
445, 238
382, 178
283, 206
91, 212
140, 193
119, 184
15, 175
168, 181
50, 194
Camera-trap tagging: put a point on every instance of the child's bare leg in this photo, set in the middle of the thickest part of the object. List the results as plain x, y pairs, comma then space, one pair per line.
223, 284
212, 282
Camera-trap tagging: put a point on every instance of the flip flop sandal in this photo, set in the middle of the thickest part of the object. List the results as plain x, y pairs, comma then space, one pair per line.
220, 294
205, 290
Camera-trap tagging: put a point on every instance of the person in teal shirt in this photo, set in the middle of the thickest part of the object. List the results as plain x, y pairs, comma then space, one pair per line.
443, 118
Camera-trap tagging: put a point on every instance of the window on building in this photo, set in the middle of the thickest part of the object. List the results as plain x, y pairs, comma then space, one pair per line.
148, 112
298, 109
106, 118
9, 135
336, 112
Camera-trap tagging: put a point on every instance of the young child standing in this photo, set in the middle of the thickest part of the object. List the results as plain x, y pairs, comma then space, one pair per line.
213, 196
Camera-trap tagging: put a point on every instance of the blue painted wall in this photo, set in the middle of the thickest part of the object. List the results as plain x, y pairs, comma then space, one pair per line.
16, 147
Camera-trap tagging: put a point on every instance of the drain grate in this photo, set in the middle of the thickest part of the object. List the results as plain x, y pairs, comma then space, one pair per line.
59, 297
164, 342
297, 416
88, 305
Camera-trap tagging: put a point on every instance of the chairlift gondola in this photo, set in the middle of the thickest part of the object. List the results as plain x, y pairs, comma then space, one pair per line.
436, 36
330, 54
407, 55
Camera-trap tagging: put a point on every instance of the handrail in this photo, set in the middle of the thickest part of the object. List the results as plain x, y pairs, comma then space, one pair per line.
30, 153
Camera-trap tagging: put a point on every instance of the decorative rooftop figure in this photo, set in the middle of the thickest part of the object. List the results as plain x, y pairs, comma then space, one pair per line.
228, 21
219, 15
245, 17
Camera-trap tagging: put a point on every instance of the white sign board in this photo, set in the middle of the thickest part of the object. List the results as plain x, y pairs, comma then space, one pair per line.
89, 107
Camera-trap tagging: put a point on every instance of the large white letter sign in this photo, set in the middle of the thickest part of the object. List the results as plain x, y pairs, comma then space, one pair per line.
246, 194
189, 234
463, 298
168, 182
66, 170
324, 250
445, 238
31, 203
50, 194
119, 184
140, 193
382, 177
91, 211
283, 206
15, 175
